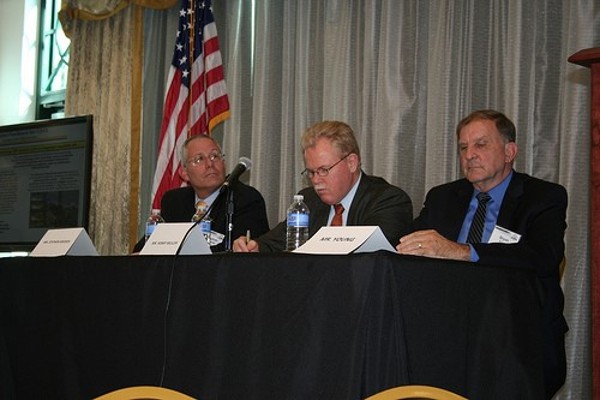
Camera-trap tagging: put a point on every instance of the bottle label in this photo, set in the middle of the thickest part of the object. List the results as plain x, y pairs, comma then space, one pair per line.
150, 229
205, 226
297, 219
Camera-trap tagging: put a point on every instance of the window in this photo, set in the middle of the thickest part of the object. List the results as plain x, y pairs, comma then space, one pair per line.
53, 61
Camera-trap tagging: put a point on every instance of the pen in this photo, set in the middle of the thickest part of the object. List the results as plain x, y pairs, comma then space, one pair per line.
247, 235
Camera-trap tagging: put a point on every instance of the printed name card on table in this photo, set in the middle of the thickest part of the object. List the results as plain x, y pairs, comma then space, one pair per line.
346, 240
168, 236
67, 241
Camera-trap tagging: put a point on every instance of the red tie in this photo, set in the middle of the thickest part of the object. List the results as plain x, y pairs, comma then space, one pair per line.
337, 218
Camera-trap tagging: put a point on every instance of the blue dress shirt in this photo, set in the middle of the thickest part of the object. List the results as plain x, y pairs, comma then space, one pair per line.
491, 214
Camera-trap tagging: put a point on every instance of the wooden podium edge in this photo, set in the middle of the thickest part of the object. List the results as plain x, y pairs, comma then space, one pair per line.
591, 58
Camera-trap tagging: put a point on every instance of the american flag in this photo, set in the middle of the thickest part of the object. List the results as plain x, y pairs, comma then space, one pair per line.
196, 97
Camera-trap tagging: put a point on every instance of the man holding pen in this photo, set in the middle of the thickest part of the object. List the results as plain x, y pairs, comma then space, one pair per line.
333, 166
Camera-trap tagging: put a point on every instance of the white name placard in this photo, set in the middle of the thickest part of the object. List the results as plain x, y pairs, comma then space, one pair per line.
346, 240
67, 241
168, 236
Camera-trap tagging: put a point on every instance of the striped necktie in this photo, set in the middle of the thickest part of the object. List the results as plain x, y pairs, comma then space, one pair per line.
476, 230
200, 210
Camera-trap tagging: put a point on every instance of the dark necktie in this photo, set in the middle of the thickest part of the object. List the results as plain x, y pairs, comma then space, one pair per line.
476, 230
337, 218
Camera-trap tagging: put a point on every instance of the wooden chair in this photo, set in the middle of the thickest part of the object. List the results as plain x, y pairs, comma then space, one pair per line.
144, 393
561, 267
415, 392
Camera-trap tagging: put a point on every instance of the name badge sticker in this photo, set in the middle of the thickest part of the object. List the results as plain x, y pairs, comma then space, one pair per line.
503, 235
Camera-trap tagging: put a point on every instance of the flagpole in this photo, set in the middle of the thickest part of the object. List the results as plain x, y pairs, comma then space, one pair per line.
192, 37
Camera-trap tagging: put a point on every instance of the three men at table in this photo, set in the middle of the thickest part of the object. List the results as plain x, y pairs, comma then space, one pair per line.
523, 224
333, 166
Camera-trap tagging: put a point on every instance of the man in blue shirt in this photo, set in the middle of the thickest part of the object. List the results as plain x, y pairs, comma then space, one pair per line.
521, 225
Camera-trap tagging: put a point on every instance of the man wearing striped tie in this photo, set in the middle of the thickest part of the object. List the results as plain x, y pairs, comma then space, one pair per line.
497, 216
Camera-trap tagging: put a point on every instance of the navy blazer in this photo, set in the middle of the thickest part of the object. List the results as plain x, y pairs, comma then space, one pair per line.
375, 202
535, 209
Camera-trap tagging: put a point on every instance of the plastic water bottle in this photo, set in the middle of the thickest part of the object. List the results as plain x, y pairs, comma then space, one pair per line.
206, 228
206, 224
153, 220
297, 223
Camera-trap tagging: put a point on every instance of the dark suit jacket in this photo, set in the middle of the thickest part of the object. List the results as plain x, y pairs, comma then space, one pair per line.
178, 205
376, 202
536, 210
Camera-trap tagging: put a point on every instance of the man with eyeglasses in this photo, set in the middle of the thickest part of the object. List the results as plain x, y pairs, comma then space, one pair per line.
332, 161
203, 167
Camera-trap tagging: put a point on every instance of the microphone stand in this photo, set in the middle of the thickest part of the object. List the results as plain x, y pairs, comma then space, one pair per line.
228, 220
187, 233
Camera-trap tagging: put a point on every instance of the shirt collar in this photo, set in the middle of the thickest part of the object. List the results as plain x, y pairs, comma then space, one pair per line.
210, 199
498, 191
347, 200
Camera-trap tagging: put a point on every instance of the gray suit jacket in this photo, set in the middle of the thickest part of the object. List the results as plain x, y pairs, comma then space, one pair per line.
376, 202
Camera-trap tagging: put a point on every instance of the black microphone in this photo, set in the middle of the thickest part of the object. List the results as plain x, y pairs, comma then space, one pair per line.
244, 164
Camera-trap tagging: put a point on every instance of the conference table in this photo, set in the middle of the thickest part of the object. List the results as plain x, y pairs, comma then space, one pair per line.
267, 326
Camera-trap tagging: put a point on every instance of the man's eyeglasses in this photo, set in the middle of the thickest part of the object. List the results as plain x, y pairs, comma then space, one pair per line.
200, 159
321, 171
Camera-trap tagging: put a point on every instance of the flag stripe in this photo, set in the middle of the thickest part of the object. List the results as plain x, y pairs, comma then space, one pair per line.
196, 98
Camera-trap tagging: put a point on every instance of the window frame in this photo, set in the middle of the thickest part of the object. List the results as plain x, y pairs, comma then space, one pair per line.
52, 62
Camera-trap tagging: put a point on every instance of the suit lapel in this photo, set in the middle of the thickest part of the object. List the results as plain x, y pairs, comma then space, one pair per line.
361, 197
463, 195
514, 191
189, 204
319, 216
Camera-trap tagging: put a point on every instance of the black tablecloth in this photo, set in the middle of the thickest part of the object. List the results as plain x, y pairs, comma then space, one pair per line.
258, 326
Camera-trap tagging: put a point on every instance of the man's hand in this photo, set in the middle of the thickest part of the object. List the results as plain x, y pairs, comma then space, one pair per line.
241, 245
429, 243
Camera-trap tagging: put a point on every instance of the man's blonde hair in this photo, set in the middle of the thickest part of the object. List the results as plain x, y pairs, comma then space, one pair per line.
339, 133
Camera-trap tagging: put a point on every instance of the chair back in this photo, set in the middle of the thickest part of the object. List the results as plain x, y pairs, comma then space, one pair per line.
144, 393
561, 267
415, 392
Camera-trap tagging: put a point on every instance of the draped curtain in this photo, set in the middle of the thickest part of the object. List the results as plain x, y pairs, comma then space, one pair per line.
104, 80
402, 73
99, 83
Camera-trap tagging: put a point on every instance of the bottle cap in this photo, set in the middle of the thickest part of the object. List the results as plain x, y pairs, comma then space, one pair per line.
298, 197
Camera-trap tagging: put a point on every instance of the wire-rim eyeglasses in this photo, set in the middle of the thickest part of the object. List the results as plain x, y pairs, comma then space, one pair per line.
200, 159
321, 171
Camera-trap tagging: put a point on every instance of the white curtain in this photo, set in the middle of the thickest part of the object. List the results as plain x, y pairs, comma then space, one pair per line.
403, 73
